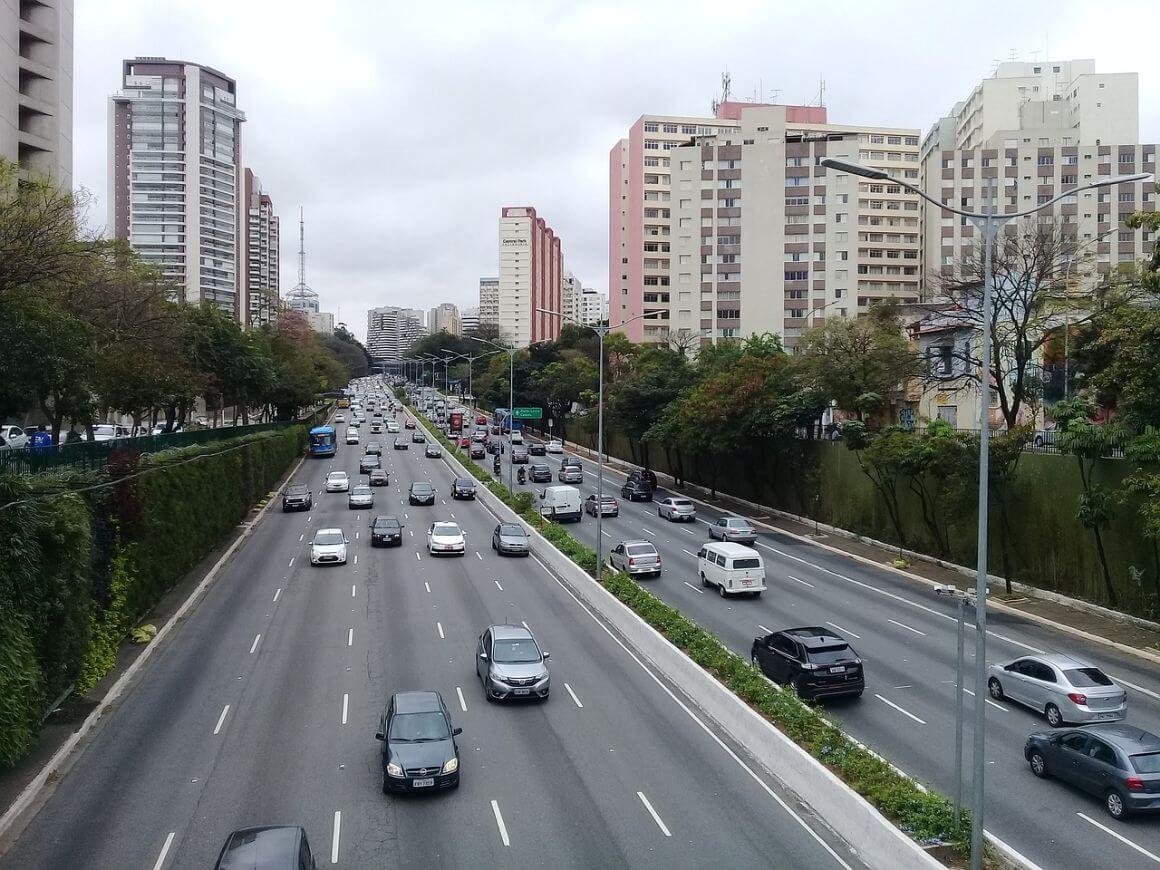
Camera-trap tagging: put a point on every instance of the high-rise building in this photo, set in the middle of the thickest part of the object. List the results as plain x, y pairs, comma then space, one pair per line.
570, 298
763, 238
36, 86
531, 269
593, 307
175, 176
261, 260
469, 321
489, 300
1027, 134
321, 322
444, 318
391, 331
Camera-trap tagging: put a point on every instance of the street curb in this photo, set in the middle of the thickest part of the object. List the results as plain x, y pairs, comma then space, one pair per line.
70, 751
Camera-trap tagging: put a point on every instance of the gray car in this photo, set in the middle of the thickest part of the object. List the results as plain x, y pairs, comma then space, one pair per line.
677, 510
510, 664
636, 557
571, 474
733, 529
1120, 764
1062, 688
361, 496
510, 538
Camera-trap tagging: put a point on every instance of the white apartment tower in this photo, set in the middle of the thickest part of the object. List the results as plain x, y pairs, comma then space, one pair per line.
489, 301
444, 318
261, 260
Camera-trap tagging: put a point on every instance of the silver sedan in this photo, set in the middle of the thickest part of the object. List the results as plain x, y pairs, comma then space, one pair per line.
677, 510
1064, 689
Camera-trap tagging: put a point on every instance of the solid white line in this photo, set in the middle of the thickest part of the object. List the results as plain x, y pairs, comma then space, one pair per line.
352, 588
497, 586
439, 625
763, 628
335, 836
694, 588
426, 585
164, 851
907, 627
846, 630
653, 813
350, 637
899, 709
1121, 838
291, 565
803, 582
254, 645
573, 694
503, 834
605, 533
1148, 692
345, 706
277, 592
221, 719
462, 702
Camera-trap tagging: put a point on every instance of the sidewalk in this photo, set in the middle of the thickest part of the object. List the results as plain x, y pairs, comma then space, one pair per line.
1080, 618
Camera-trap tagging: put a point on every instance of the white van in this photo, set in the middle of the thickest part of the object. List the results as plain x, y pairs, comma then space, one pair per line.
732, 568
517, 437
352, 436
560, 503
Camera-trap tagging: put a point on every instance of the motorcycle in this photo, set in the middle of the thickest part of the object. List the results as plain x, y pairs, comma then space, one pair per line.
496, 465
522, 476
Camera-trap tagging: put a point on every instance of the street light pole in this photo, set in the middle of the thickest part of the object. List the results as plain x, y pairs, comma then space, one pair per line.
989, 224
511, 352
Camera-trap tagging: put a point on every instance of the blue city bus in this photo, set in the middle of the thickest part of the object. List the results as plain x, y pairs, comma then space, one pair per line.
323, 441
500, 418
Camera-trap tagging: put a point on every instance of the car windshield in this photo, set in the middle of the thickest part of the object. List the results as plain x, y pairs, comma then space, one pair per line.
828, 655
419, 728
746, 563
1087, 678
445, 529
328, 539
337, 475
641, 550
1147, 762
515, 651
511, 529
297, 489
463, 481
386, 523
420, 487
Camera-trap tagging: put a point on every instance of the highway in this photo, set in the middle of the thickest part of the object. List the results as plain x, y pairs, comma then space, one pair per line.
262, 708
906, 636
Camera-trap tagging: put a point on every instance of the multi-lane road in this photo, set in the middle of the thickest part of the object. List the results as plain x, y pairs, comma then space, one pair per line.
262, 707
907, 638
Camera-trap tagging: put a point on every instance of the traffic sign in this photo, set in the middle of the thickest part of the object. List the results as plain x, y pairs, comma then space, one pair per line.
527, 413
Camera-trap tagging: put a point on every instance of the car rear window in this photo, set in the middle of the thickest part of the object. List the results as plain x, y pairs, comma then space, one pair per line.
737, 524
1148, 762
827, 655
641, 550
1086, 678
681, 502
746, 563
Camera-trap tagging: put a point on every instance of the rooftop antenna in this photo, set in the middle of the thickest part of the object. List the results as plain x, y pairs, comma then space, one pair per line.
726, 90
301, 247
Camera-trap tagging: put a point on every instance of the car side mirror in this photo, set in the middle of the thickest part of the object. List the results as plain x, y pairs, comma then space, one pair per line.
379, 735
547, 655
483, 657
455, 732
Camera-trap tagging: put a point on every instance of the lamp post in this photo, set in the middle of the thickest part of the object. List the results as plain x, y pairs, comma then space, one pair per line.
471, 358
601, 331
989, 223
511, 352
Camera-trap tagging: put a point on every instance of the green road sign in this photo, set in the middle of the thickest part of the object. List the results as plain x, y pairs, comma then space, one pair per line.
527, 413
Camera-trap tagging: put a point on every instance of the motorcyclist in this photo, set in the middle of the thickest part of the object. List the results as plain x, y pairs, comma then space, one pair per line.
496, 464
522, 476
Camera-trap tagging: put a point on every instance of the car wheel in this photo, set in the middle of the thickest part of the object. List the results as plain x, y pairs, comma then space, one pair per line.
721, 590
757, 594
753, 661
386, 788
704, 582
995, 688
1054, 717
1114, 804
797, 692
1038, 764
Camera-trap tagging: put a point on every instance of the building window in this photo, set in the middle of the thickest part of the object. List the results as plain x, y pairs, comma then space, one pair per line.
652, 145
1127, 157
650, 126
797, 276
670, 128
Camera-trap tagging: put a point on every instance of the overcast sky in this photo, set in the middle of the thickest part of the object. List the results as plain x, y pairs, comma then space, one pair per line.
403, 128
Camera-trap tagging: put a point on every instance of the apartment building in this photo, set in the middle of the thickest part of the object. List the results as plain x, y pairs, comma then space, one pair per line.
321, 322
766, 239
531, 271
36, 86
175, 177
570, 298
260, 262
445, 318
469, 321
593, 307
489, 300
391, 331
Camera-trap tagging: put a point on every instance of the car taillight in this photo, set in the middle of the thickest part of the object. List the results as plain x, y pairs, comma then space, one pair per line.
631, 560
658, 558
1135, 783
1077, 698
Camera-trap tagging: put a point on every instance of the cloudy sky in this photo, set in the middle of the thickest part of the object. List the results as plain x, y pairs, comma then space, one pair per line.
403, 128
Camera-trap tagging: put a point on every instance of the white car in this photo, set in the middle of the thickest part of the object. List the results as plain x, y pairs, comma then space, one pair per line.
110, 432
392, 427
13, 437
554, 446
328, 547
338, 481
340, 418
352, 436
446, 538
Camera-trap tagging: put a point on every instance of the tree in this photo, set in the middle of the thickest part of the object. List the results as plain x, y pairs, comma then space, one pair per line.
641, 395
1144, 482
883, 458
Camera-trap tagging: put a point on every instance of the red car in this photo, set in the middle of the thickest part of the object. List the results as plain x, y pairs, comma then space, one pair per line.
465, 441
480, 420
410, 424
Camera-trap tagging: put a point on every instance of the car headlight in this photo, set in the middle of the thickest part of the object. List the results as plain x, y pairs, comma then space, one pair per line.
451, 766
394, 769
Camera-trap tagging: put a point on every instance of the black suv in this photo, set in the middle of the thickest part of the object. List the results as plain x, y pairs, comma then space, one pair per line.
422, 493
635, 488
463, 487
540, 473
387, 531
813, 661
644, 475
297, 497
536, 448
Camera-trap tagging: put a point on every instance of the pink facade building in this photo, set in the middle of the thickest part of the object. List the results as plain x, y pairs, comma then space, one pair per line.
531, 274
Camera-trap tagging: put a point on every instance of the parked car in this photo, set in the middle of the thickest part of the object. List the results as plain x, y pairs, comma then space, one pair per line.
421, 493
110, 432
446, 538
735, 529
1064, 689
378, 477
463, 487
274, 847
367, 464
328, 547
814, 662
570, 474
554, 446
677, 510
401, 444
539, 473
732, 568
362, 496
433, 451
1118, 763
510, 538
635, 557
297, 497
510, 664
536, 448
636, 490
337, 481
14, 437
519, 454
608, 504
373, 448
419, 748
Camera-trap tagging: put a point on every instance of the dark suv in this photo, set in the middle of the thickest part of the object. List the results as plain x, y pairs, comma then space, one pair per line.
813, 661
297, 497
645, 476
463, 487
540, 473
636, 489
421, 493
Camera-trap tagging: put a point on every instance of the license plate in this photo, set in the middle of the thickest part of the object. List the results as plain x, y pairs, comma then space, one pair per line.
1105, 715
521, 691
429, 782
746, 582
838, 670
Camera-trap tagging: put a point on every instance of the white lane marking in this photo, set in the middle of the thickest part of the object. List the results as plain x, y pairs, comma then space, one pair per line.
503, 834
803, 582
164, 851
418, 558
899, 709
988, 700
350, 637
647, 532
688, 531
1121, 838
221, 719
254, 645
309, 518
1012, 640
356, 558
845, 630
694, 588
291, 565
497, 586
462, 702
573, 694
605, 533
653, 813
700, 723
412, 534
335, 836
1147, 692
694, 555
907, 627
345, 706
439, 625
300, 537
426, 585
356, 533
277, 593
478, 556
352, 588
763, 628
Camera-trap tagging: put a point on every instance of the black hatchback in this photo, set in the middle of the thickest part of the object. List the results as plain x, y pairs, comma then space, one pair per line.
812, 661
463, 487
635, 488
386, 531
421, 493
